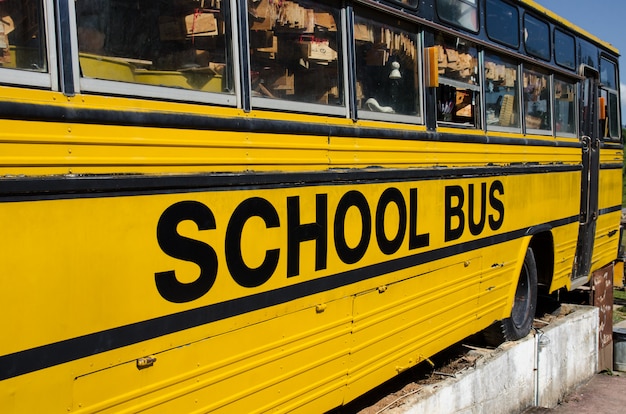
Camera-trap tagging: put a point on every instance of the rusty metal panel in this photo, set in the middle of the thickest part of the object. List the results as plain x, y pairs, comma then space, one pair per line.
602, 297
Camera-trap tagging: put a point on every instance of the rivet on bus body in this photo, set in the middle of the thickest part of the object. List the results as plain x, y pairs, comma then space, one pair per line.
382, 289
145, 362
320, 308
69, 130
466, 263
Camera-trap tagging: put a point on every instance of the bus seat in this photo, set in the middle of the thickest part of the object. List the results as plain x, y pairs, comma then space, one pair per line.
179, 79
105, 67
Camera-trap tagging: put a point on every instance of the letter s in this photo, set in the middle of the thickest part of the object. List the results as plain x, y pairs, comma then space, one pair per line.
496, 204
183, 248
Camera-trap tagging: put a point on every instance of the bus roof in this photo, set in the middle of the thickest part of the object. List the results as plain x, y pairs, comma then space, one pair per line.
569, 24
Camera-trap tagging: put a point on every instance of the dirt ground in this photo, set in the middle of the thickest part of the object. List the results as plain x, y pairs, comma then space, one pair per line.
603, 394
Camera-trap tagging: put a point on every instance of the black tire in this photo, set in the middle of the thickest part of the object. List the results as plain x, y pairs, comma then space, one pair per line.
520, 322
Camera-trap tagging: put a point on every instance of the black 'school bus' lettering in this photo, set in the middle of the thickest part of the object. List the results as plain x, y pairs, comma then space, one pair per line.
347, 254
497, 205
239, 270
184, 248
298, 233
455, 214
477, 228
203, 255
389, 196
454, 210
416, 240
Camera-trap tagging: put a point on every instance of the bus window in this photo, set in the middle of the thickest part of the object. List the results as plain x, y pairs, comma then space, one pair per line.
179, 44
564, 49
565, 107
458, 92
386, 69
501, 93
608, 79
295, 52
502, 22
613, 114
536, 37
587, 53
409, 3
537, 106
461, 13
22, 39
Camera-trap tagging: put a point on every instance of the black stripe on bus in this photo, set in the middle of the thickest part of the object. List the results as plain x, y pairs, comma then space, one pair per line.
609, 210
93, 186
52, 113
45, 356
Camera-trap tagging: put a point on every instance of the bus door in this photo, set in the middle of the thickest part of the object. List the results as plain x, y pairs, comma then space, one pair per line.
590, 142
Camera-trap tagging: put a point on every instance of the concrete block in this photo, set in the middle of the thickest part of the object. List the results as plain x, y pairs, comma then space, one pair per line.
537, 370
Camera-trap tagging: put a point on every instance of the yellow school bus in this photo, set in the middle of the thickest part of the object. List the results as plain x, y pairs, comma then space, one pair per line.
275, 206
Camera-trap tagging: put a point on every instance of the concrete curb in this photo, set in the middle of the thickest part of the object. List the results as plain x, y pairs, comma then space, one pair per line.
538, 370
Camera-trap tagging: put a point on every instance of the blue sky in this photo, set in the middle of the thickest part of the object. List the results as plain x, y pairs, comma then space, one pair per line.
605, 19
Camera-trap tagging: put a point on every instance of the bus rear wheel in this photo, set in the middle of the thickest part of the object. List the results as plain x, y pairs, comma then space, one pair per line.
520, 322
